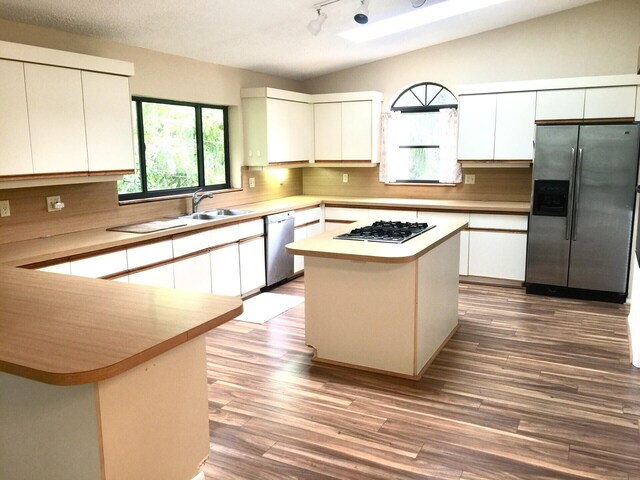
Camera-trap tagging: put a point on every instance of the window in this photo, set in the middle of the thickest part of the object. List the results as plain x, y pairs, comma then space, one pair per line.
179, 148
419, 132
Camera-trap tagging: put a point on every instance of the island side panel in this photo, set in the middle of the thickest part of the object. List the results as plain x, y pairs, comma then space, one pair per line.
47, 431
361, 313
154, 417
437, 296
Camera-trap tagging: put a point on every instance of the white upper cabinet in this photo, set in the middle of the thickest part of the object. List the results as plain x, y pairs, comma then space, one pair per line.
15, 144
477, 126
56, 119
327, 129
357, 125
107, 110
560, 104
515, 126
610, 102
300, 132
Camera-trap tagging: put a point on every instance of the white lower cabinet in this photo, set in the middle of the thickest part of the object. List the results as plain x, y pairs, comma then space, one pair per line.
377, 214
299, 233
100, 265
252, 266
161, 276
497, 254
440, 217
193, 273
64, 267
225, 270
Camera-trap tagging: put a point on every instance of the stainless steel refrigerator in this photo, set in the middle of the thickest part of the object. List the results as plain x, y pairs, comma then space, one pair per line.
581, 220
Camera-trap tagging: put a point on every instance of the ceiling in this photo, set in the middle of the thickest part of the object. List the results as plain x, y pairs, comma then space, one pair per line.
268, 36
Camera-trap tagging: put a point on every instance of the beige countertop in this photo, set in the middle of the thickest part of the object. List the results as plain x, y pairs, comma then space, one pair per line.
77, 243
66, 330
326, 246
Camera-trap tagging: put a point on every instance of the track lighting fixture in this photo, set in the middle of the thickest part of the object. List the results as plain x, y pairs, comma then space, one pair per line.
315, 25
418, 3
362, 13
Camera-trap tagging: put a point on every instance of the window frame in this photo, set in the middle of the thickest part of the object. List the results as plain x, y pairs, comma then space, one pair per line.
145, 193
424, 108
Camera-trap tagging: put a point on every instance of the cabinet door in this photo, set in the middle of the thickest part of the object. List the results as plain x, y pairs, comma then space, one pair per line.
327, 128
252, 267
193, 273
300, 233
515, 126
107, 111
225, 270
610, 102
15, 144
299, 132
476, 129
277, 130
560, 104
155, 277
356, 130
56, 119
497, 254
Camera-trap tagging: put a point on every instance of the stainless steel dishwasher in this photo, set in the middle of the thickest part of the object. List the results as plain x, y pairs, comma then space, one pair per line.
279, 228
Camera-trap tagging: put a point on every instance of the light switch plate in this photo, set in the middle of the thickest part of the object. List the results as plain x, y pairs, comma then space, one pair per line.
252, 182
5, 211
345, 178
469, 179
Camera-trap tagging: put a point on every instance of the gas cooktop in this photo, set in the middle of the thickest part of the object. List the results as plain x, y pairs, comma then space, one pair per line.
386, 232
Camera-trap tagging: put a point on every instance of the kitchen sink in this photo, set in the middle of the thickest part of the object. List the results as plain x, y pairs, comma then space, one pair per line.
218, 214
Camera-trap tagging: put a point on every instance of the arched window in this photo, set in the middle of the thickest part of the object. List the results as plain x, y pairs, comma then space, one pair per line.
419, 131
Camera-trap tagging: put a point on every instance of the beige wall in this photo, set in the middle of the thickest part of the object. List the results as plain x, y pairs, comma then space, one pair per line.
597, 39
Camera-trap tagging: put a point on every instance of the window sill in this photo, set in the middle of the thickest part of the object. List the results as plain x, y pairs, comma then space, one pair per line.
422, 184
173, 197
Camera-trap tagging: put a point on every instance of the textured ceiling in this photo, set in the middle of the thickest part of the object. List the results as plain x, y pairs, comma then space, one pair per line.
267, 36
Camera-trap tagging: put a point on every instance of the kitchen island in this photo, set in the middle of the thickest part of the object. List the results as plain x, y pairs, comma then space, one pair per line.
388, 308
102, 380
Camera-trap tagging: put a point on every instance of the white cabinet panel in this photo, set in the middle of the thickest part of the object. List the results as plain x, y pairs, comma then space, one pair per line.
638, 105
193, 273
300, 132
441, 217
307, 216
376, 214
223, 235
64, 268
346, 213
56, 119
122, 279
192, 243
155, 277
497, 254
515, 126
299, 233
225, 270
100, 265
277, 130
476, 129
356, 130
252, 267
15, 143
107, 110
464, 253
500, 222
148, 254
610, 102
251, 228
560, 104
329, 225
327, 131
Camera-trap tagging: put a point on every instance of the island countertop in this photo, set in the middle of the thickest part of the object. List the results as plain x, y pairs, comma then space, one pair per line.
66, 330
325, 245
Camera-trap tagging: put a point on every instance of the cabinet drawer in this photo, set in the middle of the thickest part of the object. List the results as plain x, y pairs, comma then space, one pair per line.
376, 214
192, 243
223, 235
100, 265
308, 215
155, 277
498, 222
251, 228
64, 267
346, 213
148, 254
439, 217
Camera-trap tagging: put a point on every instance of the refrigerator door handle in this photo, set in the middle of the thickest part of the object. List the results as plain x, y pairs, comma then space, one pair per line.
574, 226
567, 229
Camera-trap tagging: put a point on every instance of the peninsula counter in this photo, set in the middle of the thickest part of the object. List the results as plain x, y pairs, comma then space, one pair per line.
381, 307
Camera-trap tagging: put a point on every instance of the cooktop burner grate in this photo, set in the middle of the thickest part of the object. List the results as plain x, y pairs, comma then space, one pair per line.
386, 232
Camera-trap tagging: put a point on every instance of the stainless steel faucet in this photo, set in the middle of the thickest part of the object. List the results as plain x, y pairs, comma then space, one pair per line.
197, 197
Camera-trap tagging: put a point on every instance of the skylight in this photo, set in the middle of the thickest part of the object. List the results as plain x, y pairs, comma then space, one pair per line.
416, 18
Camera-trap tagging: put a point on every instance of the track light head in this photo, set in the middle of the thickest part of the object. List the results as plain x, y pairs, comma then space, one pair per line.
362, 13
418, 3
315, 25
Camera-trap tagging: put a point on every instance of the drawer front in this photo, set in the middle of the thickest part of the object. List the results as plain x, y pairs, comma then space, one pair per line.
100, 265
251, 228
498, 222
154, 277
307, 216
376, 214
223, 235
440, 217
149, 254
192, 243
346, 213
64, 267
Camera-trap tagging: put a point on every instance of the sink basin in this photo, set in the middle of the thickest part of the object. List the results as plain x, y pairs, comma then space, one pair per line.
215, 214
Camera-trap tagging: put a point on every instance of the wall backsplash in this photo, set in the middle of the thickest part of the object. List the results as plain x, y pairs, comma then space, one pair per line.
93, 205
499, 184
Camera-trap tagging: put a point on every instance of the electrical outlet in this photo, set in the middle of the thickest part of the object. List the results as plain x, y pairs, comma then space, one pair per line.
252, 182
5, 211
345, 178
469, 179
54, 204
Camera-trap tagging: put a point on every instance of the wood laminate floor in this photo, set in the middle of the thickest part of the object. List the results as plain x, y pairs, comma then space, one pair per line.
529, 387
